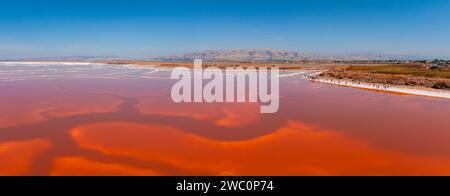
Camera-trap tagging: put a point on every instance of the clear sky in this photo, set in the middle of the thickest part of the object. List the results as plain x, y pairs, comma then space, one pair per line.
138, 28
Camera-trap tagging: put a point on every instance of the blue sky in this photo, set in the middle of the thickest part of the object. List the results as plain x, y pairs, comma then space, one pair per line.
138, 28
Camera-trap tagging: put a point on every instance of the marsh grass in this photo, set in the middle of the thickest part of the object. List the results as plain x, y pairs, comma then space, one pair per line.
411, 70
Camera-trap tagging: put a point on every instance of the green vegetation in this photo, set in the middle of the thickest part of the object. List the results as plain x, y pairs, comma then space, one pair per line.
408, 69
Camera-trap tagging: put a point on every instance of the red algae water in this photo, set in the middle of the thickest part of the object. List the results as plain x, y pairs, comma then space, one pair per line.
97, 119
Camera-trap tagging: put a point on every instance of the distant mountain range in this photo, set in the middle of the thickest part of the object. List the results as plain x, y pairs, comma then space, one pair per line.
245, 55
282, 55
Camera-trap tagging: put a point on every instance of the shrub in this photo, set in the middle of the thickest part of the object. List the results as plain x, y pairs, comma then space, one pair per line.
441, 85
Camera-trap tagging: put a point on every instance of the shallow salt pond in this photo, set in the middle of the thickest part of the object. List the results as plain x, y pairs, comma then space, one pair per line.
98, 119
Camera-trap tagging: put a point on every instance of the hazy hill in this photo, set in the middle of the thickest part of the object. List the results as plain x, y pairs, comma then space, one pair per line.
281, 55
